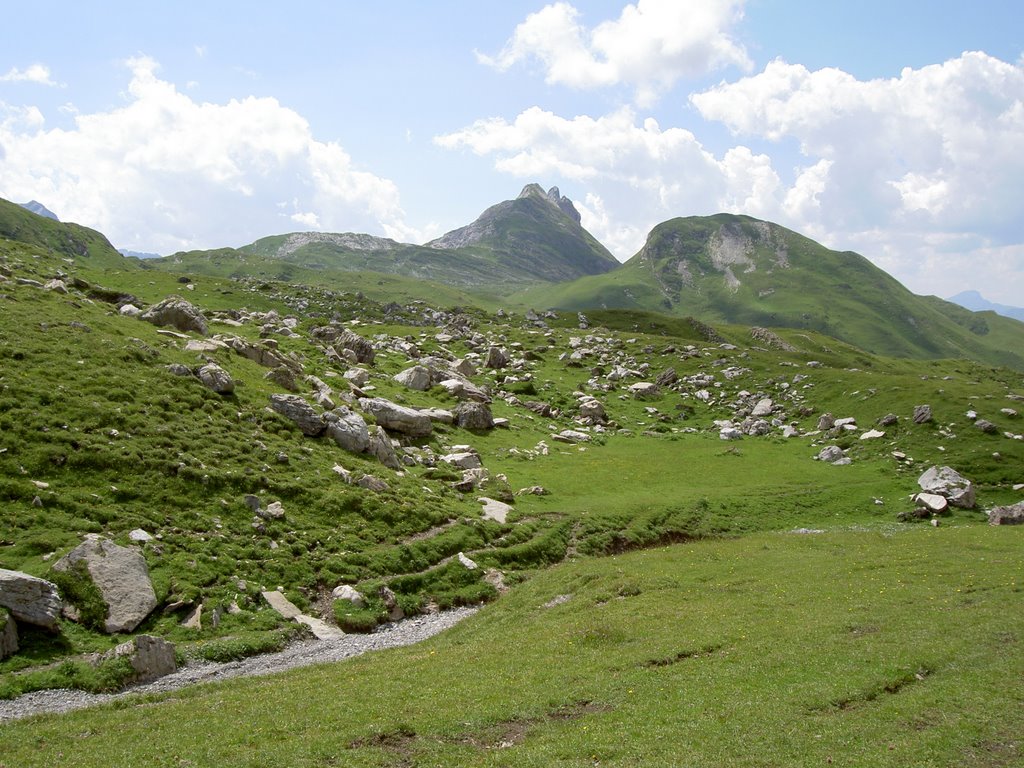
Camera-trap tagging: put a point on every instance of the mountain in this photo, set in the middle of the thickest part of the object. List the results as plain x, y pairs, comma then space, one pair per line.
975, 302
138, 254
737, 269
535, 238
538, 233
39, 209
70, 240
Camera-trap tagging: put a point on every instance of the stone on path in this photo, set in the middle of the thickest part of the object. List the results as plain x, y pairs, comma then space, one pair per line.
321, 630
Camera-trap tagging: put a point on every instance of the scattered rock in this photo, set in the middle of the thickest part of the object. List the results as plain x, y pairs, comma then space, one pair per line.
872, 434
418, 377
495, 510
397, 418
150, 657
986, 426
947, 482
1007, 515
474, 416
30, 599
831, 454
469, 564
922, 414
763, 408
826, 421
177, 313
371, 483
216, 378
139, 536
381, 447
302, 413
933, 502
121, 576
730, 433
350, 593
644, 390
348, 429
571, 436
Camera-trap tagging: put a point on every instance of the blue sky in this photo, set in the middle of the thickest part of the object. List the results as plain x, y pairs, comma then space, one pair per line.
867, 126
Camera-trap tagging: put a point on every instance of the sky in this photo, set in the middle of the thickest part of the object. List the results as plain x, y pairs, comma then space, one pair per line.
894, 129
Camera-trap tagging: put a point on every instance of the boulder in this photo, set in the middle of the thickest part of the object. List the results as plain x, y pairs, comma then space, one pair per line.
302, 413
464, 389
644, 390
986, 426
593, 409
348, 429
1007, 515
831, 454
418, 377
922, 414
467, 563
395, 612
473, 415
397, 418
888, 420
30, 599
350, 593
462, 460
947, 482
494, 509
497, 357
121, 576
284, 377
371, 483
571, 436
381, 447
216, 378
763, 408
8, 635
150, 657
177, 313
933, 502
826, 421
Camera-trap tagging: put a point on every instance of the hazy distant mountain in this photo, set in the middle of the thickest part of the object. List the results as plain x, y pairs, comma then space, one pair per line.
138, 254
975, 302
39, 209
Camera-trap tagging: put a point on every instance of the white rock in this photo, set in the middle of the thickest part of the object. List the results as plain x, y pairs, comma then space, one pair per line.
872, 434
469, 564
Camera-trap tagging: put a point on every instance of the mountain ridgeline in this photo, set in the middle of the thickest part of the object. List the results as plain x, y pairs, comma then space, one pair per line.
535, 238
533, 253
737, 269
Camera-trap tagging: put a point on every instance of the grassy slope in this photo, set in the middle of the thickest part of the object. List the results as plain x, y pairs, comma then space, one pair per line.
849, 648
64, 239
760, 596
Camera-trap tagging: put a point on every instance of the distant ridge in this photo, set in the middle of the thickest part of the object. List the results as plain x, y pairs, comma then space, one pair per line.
975, 302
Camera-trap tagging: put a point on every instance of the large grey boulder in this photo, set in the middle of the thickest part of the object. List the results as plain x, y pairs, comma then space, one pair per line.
150, 657
593, 409
397, 418
1008, 515
497, 357
418, 377
947, 482
922, 414
348, 429
8, 635
177, 313
30, 599
121, 576
473, 415
216, 378
296, 408
381, 447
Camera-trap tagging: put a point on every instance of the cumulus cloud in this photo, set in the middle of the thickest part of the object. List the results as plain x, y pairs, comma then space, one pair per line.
36, 73
164, 172
941, 146
652, 45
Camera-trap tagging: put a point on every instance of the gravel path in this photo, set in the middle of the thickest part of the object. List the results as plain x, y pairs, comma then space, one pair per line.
299, 654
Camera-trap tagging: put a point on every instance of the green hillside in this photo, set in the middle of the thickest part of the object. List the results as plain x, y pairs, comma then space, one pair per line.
69, 240
737, 269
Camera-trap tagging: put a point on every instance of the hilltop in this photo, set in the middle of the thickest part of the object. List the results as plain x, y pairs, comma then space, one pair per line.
737, 269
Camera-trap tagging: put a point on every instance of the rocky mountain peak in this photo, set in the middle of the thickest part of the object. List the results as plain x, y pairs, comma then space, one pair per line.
553, 196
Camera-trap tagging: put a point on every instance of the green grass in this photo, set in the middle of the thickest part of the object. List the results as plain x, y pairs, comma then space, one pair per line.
863, 648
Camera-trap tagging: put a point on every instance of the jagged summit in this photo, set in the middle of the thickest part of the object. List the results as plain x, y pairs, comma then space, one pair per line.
553, 196
539, 233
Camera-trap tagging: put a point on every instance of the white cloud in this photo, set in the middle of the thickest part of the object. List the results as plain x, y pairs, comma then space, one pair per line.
36, 73
941, 146
165, 172
649, 47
